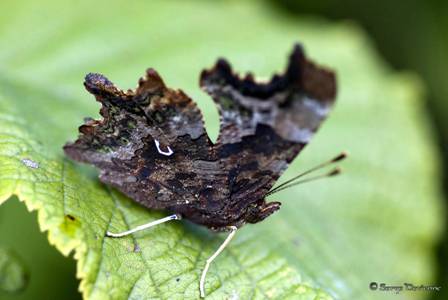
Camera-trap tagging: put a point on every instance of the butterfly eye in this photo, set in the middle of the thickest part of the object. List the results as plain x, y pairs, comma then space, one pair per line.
252, 212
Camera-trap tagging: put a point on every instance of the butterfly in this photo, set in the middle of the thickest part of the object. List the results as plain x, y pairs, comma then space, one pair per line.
152, 145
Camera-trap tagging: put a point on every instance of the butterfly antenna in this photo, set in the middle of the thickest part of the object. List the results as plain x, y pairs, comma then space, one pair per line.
336, 159
334, 172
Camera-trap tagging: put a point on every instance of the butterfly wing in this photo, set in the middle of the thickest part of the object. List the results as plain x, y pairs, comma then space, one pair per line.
147, 143
152, 145
265, 126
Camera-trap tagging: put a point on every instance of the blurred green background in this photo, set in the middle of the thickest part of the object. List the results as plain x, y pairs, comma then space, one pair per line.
410, 35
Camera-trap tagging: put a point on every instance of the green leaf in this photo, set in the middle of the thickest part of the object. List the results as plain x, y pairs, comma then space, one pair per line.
377, 222
13, 274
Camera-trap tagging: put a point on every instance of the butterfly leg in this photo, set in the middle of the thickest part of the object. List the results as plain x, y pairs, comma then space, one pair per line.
144, 226
232, 230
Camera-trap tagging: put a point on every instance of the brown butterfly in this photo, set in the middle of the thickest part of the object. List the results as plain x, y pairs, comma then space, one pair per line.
152, 145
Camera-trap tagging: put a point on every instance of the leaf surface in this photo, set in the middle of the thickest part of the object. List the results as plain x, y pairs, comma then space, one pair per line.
377, 222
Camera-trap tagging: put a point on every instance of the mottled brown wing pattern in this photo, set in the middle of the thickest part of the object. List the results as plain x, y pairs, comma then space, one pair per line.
152, 145
149, 142
265, 125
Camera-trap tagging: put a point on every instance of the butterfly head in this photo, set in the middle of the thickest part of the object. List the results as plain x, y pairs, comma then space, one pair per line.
257, 212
